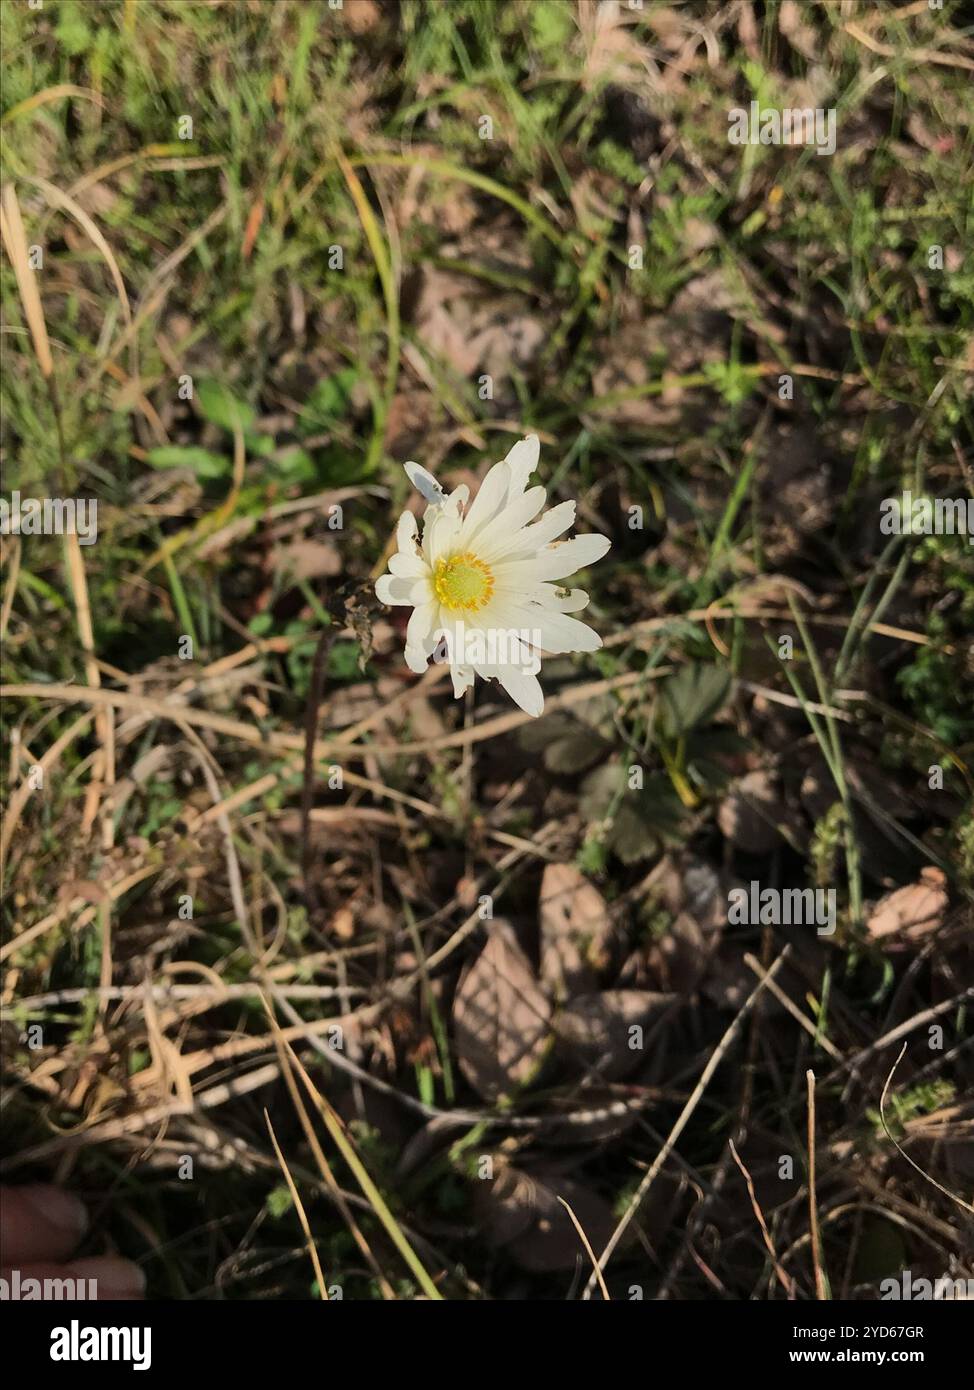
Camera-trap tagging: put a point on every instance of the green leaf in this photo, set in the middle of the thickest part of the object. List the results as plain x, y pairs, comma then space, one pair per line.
630, 838
536, 736
73, 34
201, 461
328, 401
343, 661
296, 465
691, 697
221, 407
643, 821
279, 1201
734, 382
261, 444
574, 753
600, 791
552, 24
644, 827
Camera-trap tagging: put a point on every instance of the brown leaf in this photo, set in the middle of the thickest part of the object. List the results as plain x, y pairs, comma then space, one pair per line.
679, 958
694, 896
505, 1204
751, 814
596, 1030
307, 559
501, 1018
551, 1241
522, 1212
914, 910
575, 931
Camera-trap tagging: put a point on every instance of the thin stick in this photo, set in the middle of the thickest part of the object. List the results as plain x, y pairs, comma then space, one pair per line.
787, 1283
821, 1292
323, 748
907, 1026
315, 694
786, 1003
166, 994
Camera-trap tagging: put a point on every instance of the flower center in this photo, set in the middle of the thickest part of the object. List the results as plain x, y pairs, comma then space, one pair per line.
463, 583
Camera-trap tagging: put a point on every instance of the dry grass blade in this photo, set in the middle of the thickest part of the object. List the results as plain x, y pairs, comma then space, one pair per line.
787, 1283
299, 1207
964, 1206
334, 1126
588, 1249
821, 1287
289, 1064
15, 240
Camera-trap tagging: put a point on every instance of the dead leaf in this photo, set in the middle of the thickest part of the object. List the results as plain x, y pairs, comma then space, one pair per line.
307, 559
607, 1032
505, 1204
551, 1241
914, 910
521, 1212
679, 958
575, 931
692, 893
470, 331
501, 1018
753, 812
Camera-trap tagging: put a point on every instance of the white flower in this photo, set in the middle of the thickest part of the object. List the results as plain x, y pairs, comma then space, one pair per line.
480, 581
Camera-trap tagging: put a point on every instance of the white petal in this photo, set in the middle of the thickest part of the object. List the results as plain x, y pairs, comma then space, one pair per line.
487, 503
511, 644
420, 624
559, 560
561, 600
406, 534
395, 590
550, 527
463, 676
407, 566
557, 632
524, 690
532, 538
440, 531
522, 461
510, 522
416, 659
425, 483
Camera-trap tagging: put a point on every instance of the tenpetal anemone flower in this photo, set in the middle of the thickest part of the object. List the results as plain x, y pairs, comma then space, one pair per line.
482, 579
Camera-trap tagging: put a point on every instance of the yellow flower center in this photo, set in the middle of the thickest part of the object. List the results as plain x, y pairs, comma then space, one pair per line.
463, 583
